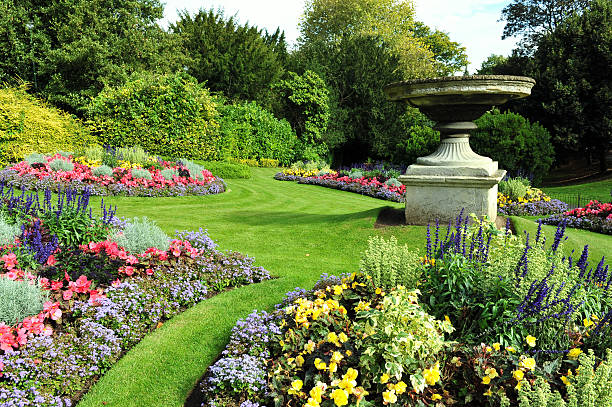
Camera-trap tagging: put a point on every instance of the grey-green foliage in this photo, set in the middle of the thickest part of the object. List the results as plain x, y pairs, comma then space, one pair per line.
590, 388
135, 155
19, 299
35, 158
103, 170
8, 231
141, 173
93, 152
195, 170
169, 173
59, 164
515, 188
390, 264
140, 234
65, 154
355, 174
393, 182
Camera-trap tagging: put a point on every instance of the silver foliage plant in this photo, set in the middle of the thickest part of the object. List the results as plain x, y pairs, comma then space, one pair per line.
139, 234
19, 299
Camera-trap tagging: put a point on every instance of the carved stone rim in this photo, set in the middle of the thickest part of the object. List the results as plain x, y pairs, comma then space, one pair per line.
468, 78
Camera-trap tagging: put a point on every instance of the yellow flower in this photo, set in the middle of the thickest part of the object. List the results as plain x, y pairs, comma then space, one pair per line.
333, 338
486, 380
296, 386
337, 289
528, 363
456, 361
488, 349
447, 319
362, 306
389, 396
518, 375
488, 393
319, 364
491, 372
340, 397
432, 375
587, 322
436, 397
333, 367
531, 341
348, 352
510, 349
309, 347
574, 353
342, 337
400, 387
378, 291
351, 374
299, 360
312, 403
519, 385
336, 357
565, 380
497, 346
384, 378
316, 393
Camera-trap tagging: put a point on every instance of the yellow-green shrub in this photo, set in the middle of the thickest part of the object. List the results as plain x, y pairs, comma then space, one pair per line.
168, 115
30, 125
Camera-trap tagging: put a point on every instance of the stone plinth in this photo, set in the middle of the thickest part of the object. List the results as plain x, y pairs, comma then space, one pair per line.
443, 196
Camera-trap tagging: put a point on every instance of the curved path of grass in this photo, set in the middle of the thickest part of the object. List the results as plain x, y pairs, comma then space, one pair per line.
295, 231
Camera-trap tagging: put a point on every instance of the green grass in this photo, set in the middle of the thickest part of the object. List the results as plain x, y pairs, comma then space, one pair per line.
295, 231
599, 190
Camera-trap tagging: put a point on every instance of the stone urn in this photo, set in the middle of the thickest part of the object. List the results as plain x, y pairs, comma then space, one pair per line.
454, 177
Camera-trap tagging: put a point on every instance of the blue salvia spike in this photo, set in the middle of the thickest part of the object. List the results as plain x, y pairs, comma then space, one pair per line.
428, 247
486, 256
538, 233
582, 262
437, 234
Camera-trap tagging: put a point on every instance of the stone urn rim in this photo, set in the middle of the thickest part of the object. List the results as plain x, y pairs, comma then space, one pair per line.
468, 78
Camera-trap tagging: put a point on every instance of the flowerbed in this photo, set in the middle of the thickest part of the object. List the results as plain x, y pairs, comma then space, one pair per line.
523, 317
535, 202
595, 216
152, 177
97, 298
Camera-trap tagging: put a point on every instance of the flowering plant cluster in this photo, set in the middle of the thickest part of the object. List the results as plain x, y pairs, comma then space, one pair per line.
98, 307
159, 178
535, 202
595, 216
365, 186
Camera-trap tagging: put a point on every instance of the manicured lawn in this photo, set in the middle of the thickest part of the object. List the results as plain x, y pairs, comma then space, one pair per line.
278, 223
599, 190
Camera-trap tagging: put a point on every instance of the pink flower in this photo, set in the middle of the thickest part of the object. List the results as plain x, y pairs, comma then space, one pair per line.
149, 272
51, 260
67, 295
10, 260
82, 284
56, 285
116, 283
47, 331
132, 259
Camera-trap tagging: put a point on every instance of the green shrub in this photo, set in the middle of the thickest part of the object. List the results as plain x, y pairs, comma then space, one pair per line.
140, 234
195, 170
169, 173
93, 152
269, 163
168, 115
135, 155
141, 173
19, 299
35, 158
245, 161
354, 174
28, 124
518, 145
8, 231
59, 164
390, 264
225, 170
513, 188
249, 131
103, 170
393, 182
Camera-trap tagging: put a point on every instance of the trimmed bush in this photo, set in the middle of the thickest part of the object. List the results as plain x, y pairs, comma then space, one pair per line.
19, 299
390, 264
28, 124
141, 173
167, 115
140, 234
249, 131
103, 170
225, 170
59, 164
519, 145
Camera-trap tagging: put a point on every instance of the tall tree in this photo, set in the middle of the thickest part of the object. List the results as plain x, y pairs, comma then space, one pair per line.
239, 60
449, 57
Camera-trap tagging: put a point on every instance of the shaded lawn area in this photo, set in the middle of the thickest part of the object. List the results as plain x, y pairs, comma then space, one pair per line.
599, 190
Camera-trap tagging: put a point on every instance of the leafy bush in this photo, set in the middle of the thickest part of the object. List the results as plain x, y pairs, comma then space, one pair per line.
134, 155
140, 234
225, 170
35, 158
59, 164
19, 299
169, 173
168, 115
28, 125
141, 173
249, 131
514, 188
516, 143
269, 163
103, 170
390, 264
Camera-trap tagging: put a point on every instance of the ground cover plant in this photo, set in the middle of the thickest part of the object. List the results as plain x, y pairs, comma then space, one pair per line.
110, 171
78, 300
377, 183
523, 314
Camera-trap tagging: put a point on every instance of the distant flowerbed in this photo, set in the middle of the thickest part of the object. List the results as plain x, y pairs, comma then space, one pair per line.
595, 216
533, 203
73, 300
152, 177
362, 185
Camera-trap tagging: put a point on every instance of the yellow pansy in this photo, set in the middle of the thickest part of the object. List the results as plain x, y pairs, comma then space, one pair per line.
389, 396
299, 360
432, 375
531, 340
486, 380
340, 397
518, 375
384, 378
401, 387
312, 403
309, 347
491, 372
528, 363
497, 346
336, 357
296, 386
351, 374
316, 393
510, 349
342, 337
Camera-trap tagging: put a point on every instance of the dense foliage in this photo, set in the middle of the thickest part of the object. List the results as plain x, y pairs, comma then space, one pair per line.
29, 125
169, 115
516, 143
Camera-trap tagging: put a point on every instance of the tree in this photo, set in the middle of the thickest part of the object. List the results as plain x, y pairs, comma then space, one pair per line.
69, 49
492, 64
237, 60
449, 57
573, 68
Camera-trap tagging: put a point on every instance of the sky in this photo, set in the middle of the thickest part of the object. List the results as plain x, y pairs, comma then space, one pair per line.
472, 23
